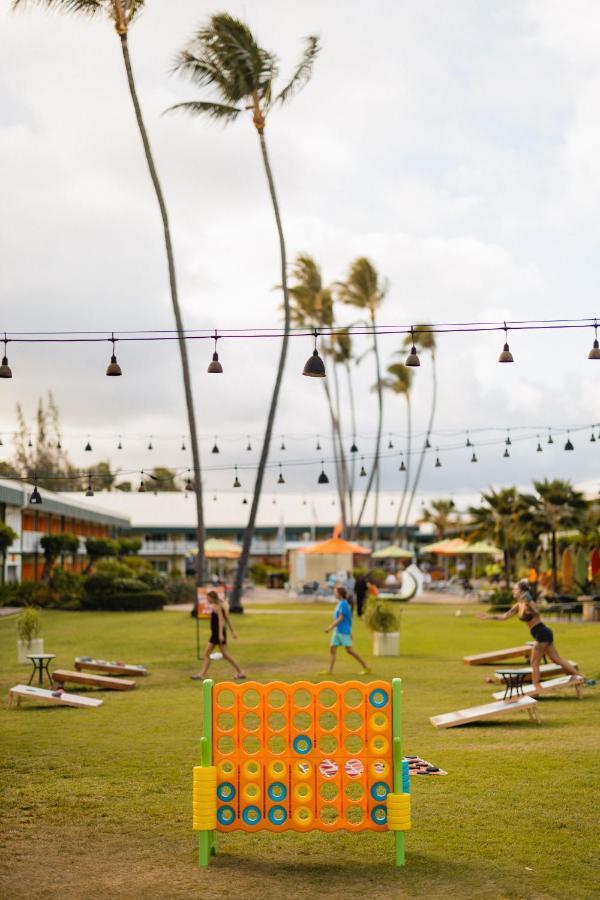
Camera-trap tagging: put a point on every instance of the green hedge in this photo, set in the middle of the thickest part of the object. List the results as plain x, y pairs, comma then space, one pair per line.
126, 601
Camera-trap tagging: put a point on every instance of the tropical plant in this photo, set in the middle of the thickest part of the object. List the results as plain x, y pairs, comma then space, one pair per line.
424, 339
380, 617
224, 55
440, 516
7, 537
498, 519
364, 289
28, 624
399, 380
121, 14
99, 548
556, 506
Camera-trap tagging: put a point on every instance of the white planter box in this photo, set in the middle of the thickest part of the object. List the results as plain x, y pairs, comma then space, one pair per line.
23, 648
386, 644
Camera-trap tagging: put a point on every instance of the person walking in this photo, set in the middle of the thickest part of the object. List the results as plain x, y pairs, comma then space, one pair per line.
342, 633
360, 592
218, 637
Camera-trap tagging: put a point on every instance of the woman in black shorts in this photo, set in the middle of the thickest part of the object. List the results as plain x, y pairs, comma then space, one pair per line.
527, 612
218, 637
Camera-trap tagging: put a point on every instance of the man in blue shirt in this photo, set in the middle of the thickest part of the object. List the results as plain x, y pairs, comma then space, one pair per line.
342, 632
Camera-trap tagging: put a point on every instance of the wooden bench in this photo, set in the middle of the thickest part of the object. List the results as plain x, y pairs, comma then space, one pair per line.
553, 684
494, 656
85, 663
62, 699
547, 670
93, 680
476, 713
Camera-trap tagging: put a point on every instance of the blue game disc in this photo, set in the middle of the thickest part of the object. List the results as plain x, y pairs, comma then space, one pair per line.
379, 790
251, 815
302, 744
277, 791
226, 791
277, 815
378, 698
225, 815
379, 815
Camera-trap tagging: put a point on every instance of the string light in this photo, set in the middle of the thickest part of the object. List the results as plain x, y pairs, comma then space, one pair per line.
594, 352
506, 356
90, 491
5, 369
150, 443
282, 442
390, 443
113, 368
592, 437
363, 471
215, 367
354, 448
402, 466
215, 448
36, 498
281, 479
183, 444
474, 457
539, 448
569, 445
550, 438
438, 464
506, 454
119, 445
88, 447
413, 358
322, 479
142, 487
314, 366
236, 482
468, 444
508, 441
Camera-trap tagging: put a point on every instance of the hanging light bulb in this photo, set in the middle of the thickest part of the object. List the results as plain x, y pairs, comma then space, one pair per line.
539, 448
304, 502
508, 441
593, 354
119, 445
427, 444
569, 445
188, 484
322, 479
5, 369
314, 366
402, 466
474, 457
318, 447
215, 367
29, 443
245, 501
249, 445
113, 367
150, 443
182, 443
142, 487
282, 447
90, 490
58, 444
506, 356
236, 482
214, 498
354, 448
413, 358
362, 472
468, 444
390, 444
281, 479
438, 464
88, 447
592, 437
506, 454
36, 498
215, 448
550, 438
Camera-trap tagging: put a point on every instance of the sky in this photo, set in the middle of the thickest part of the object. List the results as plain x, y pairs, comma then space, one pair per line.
455, 145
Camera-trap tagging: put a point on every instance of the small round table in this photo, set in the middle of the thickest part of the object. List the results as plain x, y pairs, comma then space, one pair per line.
514, 680
40, 662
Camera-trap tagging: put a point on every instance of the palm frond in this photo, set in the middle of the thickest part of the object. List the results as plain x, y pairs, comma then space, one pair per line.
362, 287
212, 110
87, 7
303, 71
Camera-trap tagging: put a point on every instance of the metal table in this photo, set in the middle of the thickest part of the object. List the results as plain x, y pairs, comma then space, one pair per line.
513, 680
41, 663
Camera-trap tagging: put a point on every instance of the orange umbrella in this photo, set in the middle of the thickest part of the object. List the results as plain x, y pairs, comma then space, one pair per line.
335, 546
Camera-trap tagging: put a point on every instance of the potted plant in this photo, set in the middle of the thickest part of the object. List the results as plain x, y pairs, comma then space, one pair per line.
385, 625
28, 627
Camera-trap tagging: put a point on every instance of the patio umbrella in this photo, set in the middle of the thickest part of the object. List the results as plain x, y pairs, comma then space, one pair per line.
482, 548
447, 547
334, 546
392, 552
215, 548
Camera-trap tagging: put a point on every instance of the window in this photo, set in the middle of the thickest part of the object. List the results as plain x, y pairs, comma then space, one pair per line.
161, 565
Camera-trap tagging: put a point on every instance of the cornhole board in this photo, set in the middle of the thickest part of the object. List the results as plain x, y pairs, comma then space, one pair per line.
547, 670
35, 693
494, 656
91, 680
553, 684
84, 663
476, 713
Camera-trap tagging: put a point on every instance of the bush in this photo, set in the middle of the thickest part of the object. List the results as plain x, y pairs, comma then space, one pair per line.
29, 593
66, 590
377, 576
28, 624
500, 600
136, 601
258, 573
380, 617
180, 590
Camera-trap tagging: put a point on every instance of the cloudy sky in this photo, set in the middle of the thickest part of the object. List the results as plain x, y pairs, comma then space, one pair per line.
455, 144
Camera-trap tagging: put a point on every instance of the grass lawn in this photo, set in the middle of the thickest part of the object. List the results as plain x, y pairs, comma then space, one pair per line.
98, 802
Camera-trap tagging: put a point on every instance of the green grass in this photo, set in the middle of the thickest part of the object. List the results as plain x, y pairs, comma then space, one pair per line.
98, 802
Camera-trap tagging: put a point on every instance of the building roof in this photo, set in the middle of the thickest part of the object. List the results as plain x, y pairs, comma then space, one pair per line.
16, 493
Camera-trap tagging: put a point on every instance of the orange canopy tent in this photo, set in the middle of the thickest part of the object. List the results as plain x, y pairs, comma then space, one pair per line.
335, 546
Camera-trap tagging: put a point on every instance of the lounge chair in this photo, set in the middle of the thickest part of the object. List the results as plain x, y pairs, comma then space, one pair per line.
59, 697
553, 684
476, 713
89, 664
494, 656
91, 680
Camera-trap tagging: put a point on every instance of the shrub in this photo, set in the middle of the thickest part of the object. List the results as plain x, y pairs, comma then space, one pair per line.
113, 568
500, 600
28, 624
29, 593
380, 617
180, 590
132, 601
66, 590
258, 573
377, 576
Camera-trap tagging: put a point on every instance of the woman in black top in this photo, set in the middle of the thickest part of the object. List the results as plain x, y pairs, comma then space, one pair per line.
526, 610
218, 637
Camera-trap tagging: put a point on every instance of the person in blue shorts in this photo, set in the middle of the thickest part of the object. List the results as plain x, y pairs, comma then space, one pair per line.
342, 632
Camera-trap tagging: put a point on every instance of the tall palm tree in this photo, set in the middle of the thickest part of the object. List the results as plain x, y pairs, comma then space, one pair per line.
312, 306
365, 290
399, 381
499, 520
424, 339
340, 352
121, 13
557, 506
440, 516
225, 56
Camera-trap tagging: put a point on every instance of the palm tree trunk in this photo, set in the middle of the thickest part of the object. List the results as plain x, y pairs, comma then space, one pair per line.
236, 595
352, 462
187, 381
423, 451
334, 440
407, 473
375, 466
554, 562
341, 452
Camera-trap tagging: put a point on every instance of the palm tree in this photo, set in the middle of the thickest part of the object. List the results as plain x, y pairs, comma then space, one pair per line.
121, 13
557, 506
440, 516
224, 55
398, 381
500, 522
424, 339
363, 289
340, 352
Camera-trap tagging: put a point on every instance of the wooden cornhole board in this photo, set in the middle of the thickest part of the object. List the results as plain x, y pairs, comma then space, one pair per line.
91, 680
494, 656
35, 693
547, 670
476, 713
111, 668
553, 684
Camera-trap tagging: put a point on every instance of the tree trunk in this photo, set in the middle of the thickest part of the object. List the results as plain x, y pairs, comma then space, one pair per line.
185, 368
352, 455
554, 563
236, 596
335, 442
423, 451
507, 568
375, 466
407, 473
340, 451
